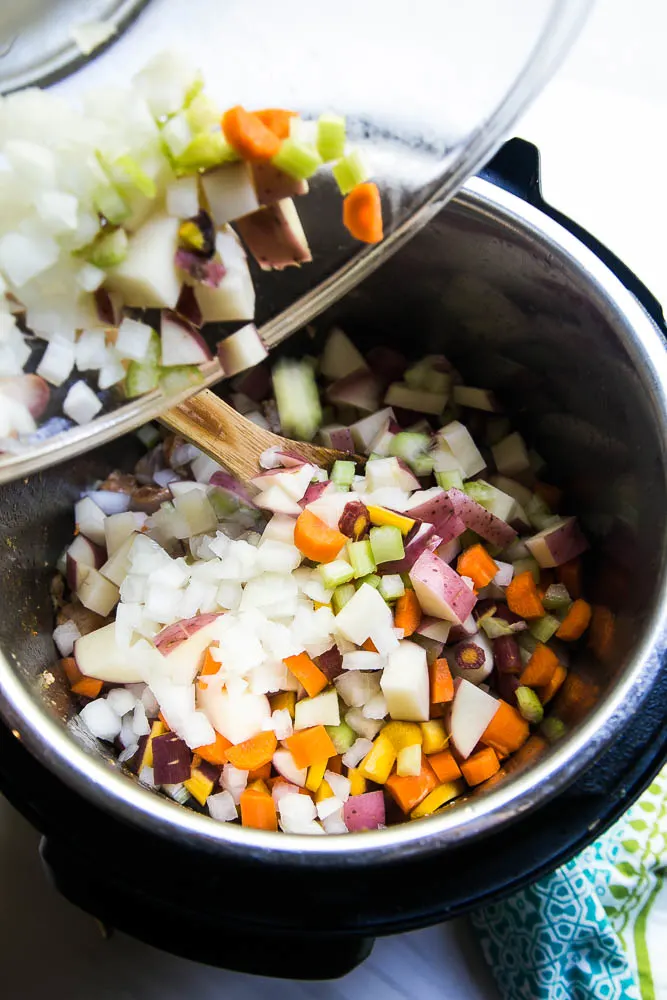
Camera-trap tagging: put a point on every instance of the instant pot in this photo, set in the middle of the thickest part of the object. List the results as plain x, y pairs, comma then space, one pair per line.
526, 303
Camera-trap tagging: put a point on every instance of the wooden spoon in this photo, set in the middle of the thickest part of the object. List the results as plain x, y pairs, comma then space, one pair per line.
235, 442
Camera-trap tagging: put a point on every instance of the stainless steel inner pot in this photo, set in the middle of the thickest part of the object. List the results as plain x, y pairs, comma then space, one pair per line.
522, 307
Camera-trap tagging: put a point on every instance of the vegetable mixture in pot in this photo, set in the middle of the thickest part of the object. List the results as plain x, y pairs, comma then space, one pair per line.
331, 650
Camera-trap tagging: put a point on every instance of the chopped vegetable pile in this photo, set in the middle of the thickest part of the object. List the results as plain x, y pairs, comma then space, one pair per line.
326, 651
125, 205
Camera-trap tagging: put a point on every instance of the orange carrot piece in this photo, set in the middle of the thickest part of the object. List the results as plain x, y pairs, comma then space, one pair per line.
316, 540
442, 682
309, 746
569, 574
209, 666
522, 596
248, 135
551, 494
262, 773
576, 621
575, 698
88, 687
477, 564
72, 672
530, 751
164, 721
277, 120
602, 632
445, 766
369, 646
545, 692
408, 613
215, 753
253, 753
258, 810
362, 213
409, 791
507, 731
307, 673
540, 667
336, 764
479, 766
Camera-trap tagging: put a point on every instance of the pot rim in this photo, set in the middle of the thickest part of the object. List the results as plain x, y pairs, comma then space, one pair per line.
108, 787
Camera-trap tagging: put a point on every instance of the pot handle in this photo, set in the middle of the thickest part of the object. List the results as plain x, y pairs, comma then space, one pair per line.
516, 168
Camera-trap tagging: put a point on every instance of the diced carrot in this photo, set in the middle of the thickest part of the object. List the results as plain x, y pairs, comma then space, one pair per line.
262, 773
72, 672
248, 135
480, 766
362, 213
310, 745
540, 667
276, 119
530, 751
507, 731
88, 687
316, 540
163, 720
442, 682
522, 596
258, 810
477, 564
569, 574
551, 494
602, 632
215, 753
575, 698
444, 765
545, 692
576, 621
253, 753
209, 665
408, 792
307, 673
369, 646
408, 613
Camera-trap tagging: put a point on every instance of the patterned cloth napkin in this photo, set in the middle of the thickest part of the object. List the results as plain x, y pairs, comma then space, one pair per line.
595, 929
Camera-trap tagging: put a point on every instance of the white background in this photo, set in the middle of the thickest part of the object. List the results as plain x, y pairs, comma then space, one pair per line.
600, 126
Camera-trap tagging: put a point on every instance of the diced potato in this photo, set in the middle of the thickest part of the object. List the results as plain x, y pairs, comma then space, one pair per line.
434, 736
403, 734
438, 798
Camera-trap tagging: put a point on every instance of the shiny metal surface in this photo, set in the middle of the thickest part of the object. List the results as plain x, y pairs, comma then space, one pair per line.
36, 47
522, 307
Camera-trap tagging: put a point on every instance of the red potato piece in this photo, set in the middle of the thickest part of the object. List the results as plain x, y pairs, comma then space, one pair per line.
480, 520
181, 343
340, 357
359, 389
275, 237
440, 590
557, 544
82, 553
173, 636
364, 812
419, 541
472, 711
31, 390
341, 439
98, 655
241, 350
272, 184
315, 491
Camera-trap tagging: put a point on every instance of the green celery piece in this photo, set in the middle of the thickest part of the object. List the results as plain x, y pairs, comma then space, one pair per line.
330, 137
449, 480
544, 628
297, 159
342, 595
297, 398
202, 114
539, 513
350, 171
386, 542
527, 564
108, 249
149, 435
207, 150
360, 555
336, 573
529, 704
342, 472
480, 491
194, 90
391, 587
468, 538
527, 641
422, 465
108, 202
179, 377
556, 598
373, 580
224, 504
132, 174
342, 736
553, 728
141, 378
408, 445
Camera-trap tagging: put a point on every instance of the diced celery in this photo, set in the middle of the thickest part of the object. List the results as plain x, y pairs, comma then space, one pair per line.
297, 398
543, 628
108, 249
553, 728
202, 114
297, 159
207, 150
469, 538
149, 435
391, 587
527, 641
360, 554
480, 491
422, 465
375, 455
529, 704
350, 171
556, 598
179, 377
194, 90
407, 582
342, 595
336, 573
342, 473
386, 543
539, 513
526, 565
330, 137
342, 736
127, 171
109, 203
413, 449
373, 580
449, 480
141, 377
